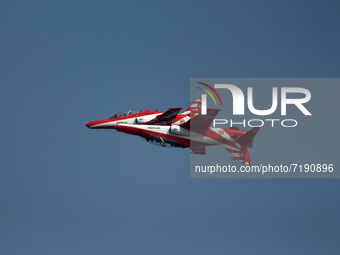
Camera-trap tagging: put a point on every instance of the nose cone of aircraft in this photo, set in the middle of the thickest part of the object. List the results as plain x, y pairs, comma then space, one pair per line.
100, 124
94, 124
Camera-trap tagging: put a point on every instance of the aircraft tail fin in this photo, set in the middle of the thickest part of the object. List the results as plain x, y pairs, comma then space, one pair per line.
249, 136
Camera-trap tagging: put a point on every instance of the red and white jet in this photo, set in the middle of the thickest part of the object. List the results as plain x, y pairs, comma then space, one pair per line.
187, 129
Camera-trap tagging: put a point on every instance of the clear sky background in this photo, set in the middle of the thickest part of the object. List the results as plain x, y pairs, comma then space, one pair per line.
65, 189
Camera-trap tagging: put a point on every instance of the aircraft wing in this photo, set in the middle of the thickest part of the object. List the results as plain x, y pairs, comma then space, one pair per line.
165, 118
201, 122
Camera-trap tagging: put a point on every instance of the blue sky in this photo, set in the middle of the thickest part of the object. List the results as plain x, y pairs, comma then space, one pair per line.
65, 189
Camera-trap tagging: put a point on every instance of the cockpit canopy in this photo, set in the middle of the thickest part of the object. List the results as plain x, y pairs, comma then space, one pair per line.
126, 113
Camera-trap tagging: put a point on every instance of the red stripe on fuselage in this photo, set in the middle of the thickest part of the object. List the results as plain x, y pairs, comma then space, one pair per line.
135, 115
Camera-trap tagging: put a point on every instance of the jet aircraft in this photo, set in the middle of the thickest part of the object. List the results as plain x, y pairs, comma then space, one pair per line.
182, 130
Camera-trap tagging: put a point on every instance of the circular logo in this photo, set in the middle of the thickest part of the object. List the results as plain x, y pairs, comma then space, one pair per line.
182, 121
221, 132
